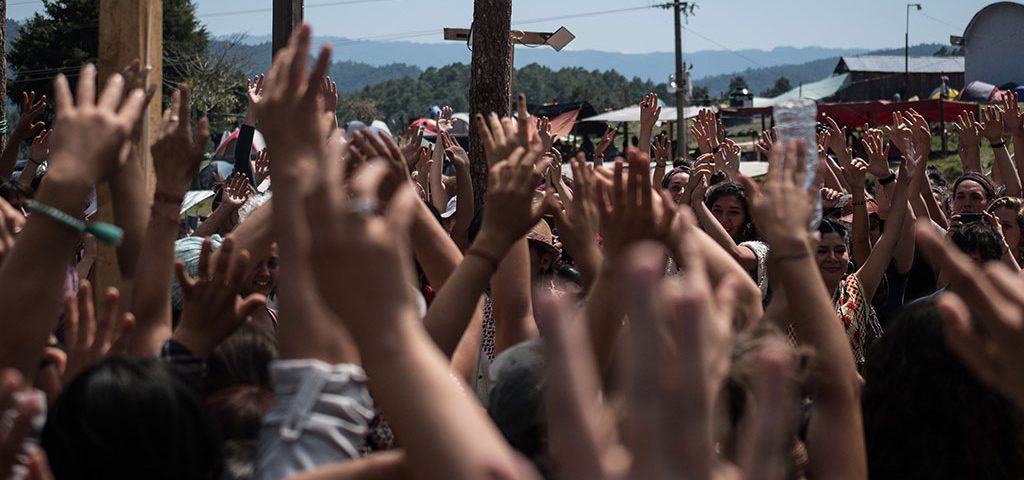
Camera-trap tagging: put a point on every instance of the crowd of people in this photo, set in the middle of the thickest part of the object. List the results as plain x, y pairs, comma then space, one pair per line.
348, 311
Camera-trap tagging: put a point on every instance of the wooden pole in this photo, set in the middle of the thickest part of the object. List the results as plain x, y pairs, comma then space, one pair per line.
3, 70
129, 29
287, 16
490, 78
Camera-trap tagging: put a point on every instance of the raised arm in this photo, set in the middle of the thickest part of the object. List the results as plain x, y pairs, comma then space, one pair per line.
650, 111
968, 147
85, 152
782, 210
25, 129
464, 208
873, 269
438, 196
855, 171
991, 127
37, 155
176, 158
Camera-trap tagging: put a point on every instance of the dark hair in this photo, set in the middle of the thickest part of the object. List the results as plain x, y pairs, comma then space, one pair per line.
14, 192
671, 173
831, 225
977, 237
980, 180
927, 416
239, 412
131, 419
732, 189
242, 359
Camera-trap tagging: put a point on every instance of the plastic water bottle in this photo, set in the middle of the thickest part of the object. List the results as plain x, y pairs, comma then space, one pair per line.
796, 120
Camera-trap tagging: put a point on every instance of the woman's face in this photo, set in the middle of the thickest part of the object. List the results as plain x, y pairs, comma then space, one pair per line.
263, 279
969, 197
676, 184
729, 212
1011, 229
833, 258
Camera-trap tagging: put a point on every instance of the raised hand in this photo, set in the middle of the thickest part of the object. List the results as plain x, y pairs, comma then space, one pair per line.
501, 136
877, 150
730, 154
329, 89
262, 166
650, 111
662, 150
768, 139
40, 147
236, 190
510, 211
90, 340
830, 198
1013, 118
89, 134
781, 208
627, 207
991, 125
544, 132
606, 141
367, 146
455, 151
983, 314
854, 174
212, 308
705, 131
836, 140
30, 110
254, 96
444, 121
578, 221
176, 152
411, 141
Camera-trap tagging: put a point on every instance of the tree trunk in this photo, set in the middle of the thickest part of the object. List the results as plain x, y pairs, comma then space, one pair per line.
3, 70
490, 85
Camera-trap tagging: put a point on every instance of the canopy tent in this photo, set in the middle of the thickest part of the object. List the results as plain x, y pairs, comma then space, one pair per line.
819, 90
632, 114
877, 112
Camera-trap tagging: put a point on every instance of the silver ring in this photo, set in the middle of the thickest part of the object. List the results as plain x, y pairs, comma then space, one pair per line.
365, 207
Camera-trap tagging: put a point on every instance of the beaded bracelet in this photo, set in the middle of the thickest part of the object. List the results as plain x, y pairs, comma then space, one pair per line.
105, 232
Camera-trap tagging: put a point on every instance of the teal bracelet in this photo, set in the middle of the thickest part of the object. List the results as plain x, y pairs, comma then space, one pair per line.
105, 232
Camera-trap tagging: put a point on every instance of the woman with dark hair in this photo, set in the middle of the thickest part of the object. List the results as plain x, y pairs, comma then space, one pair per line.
131, 419
724, 214
926, 416
675, 181
851, 290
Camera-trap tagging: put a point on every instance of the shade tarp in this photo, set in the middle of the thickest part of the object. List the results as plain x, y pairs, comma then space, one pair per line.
819, 90
632, 114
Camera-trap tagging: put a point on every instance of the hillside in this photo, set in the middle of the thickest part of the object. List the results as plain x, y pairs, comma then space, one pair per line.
654, 66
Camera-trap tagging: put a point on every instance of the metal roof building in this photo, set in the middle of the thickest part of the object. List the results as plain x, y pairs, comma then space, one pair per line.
881, 77
993, 43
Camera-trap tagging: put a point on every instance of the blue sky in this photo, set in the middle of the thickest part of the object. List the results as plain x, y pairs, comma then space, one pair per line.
718, 24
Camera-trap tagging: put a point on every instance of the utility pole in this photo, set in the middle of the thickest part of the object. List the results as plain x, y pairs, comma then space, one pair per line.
682, 76
287, 16
906, 53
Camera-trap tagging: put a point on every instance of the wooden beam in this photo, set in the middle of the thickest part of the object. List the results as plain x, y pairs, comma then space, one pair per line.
287, 16
129, 29
490, 84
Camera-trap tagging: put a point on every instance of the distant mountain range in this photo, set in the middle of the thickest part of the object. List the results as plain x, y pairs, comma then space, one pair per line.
362, 62
655, 66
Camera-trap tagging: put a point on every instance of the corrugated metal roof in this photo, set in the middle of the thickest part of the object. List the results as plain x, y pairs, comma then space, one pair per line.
894, 64
815, 91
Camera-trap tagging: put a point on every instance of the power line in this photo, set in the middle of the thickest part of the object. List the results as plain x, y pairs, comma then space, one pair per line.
266, 10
